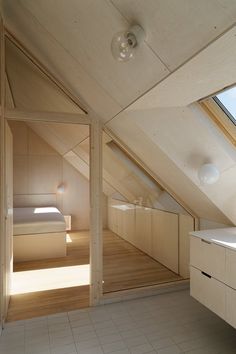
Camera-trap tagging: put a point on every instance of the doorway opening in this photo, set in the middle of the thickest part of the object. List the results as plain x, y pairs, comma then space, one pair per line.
51, 219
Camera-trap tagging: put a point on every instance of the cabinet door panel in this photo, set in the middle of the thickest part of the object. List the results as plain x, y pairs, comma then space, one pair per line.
129, 223
165, 239
143, 234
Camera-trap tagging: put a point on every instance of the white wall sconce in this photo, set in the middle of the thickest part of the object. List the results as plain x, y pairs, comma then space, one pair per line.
208, 173
61, 188
125, 44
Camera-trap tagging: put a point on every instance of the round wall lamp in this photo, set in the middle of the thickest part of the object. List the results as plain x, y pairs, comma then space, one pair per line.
208, 173
124, 44
61, 188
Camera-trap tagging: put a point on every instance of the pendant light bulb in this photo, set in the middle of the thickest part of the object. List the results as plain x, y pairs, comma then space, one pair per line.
124, 44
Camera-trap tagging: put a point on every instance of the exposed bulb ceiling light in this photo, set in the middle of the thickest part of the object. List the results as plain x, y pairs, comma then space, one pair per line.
124, 44
208, 173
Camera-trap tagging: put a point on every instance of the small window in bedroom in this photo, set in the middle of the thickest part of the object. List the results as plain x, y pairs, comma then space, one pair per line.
227, 102
221, 108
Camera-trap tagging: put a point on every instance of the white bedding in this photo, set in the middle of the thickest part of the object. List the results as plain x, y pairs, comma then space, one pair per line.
37, 221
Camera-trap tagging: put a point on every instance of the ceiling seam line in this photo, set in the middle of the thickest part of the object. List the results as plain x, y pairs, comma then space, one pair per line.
172, 72
77, 61
147, 44
74, 146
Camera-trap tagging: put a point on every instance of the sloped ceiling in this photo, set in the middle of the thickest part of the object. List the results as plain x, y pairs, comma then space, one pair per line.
74, 42
72, 142
189, 53
30, 88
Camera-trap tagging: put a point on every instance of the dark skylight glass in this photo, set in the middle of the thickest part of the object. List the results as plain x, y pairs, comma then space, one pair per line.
227, 101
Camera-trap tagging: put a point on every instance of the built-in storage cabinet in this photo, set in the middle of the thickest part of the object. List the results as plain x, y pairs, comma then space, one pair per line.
230, 267
209, 291
143, 230
213, 269
162, 235
165, 239
208, 257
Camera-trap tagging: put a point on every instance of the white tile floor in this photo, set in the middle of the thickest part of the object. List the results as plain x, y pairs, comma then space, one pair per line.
171, 323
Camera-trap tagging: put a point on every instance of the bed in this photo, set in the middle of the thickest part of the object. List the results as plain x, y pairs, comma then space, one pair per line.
38, 233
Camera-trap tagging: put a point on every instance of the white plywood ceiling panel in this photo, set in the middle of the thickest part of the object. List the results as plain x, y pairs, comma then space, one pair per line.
176, 30
62, 137
77, 163
208, 72
166, 169
32, 90
223, 192
190, 139
187, 137
59, 61
85, 30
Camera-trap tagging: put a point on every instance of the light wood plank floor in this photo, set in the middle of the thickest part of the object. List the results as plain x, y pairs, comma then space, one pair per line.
125, 267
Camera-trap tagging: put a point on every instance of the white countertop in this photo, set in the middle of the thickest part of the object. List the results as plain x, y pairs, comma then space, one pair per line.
222, 237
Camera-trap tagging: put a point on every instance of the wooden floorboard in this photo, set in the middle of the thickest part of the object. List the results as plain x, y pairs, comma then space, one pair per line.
125, 267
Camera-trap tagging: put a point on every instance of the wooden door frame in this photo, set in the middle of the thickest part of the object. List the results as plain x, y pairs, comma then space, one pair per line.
89, 118
2, 172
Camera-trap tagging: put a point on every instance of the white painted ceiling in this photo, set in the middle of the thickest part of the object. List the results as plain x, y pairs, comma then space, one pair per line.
189, 53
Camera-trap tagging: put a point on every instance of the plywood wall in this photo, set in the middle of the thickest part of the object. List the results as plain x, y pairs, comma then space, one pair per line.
39, 170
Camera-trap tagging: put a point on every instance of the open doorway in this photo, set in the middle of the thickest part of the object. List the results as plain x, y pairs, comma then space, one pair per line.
146, 241
51, 219
48, 126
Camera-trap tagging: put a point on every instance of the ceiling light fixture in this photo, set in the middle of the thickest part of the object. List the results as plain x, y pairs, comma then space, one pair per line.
208, 173
124, 44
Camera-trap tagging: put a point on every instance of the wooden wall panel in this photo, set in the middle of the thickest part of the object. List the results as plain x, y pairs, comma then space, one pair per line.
9, 214
45, 173
186, 224
20, 175
129, 223
37, 146
143, 229
165, 239
20, 141
33, 200
76, 197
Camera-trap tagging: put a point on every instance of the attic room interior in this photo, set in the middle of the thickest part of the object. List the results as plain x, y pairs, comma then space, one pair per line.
118, 167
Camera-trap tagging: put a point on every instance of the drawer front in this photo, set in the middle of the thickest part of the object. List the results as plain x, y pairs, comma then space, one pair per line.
230, 277
208, 257
231, 306
208, 291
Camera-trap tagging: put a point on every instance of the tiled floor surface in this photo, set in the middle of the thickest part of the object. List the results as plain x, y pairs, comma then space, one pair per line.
165, 324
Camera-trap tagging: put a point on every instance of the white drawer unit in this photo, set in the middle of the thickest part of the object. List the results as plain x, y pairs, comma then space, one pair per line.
231, 306
208, 257
231, 268
207, 290
213, 269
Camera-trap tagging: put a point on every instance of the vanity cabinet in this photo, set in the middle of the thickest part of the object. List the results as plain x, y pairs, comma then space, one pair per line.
213, 271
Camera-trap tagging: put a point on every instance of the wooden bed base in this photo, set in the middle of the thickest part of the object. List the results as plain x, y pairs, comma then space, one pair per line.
39, 246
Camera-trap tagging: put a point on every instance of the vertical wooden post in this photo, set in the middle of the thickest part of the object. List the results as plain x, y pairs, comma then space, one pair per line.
96, 227
2, 176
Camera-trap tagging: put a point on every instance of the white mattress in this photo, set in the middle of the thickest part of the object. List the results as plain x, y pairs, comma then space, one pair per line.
37, 220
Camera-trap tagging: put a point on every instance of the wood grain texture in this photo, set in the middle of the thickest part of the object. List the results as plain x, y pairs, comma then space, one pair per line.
125, 267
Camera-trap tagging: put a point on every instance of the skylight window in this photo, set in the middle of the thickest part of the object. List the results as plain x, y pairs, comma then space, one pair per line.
227, 102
